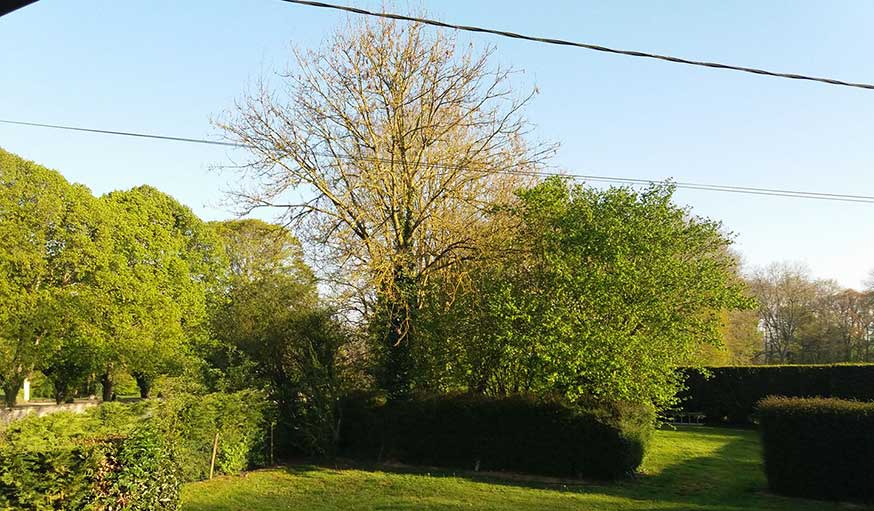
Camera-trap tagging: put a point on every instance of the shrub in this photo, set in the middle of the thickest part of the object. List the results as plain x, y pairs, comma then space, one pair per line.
190, 423
133, 472
516, 433
730, 394
818, 447
58, 429
128, 456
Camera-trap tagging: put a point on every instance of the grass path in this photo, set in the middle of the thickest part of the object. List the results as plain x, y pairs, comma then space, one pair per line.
706, 469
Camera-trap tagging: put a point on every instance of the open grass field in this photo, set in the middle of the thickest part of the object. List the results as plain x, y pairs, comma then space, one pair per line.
707, 469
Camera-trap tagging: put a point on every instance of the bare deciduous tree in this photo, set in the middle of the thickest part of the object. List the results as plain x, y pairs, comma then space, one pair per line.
385, 149
807, 320
787, 298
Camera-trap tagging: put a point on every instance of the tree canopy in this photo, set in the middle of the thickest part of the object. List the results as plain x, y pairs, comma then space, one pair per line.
93, 286
601, 295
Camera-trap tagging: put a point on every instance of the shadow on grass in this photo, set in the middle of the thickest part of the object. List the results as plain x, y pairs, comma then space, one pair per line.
728, 476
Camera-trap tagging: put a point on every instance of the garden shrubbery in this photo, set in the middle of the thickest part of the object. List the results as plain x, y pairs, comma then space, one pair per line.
129, 456
190, 423
515, 433
818, 447
71, 462
730, 394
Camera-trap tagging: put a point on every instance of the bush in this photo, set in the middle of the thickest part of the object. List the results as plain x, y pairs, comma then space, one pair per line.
190, 423
730, 395
59, 429
128, 456
818, 447
70, 472
517, 433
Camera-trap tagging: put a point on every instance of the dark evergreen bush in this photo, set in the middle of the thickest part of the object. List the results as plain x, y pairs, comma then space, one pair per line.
818, 447
730, 394
517, 434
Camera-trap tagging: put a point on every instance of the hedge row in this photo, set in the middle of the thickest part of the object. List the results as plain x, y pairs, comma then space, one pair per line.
818, 447
517, 434
730, 395
128, 456
69, 462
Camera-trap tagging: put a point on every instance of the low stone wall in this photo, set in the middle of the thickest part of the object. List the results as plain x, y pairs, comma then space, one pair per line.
8, 415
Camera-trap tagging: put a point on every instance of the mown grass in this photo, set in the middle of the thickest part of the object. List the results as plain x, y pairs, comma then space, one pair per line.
706, 469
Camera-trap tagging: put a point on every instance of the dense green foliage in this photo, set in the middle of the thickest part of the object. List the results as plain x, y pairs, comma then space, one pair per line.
107, 459
51, 255
129, 456
169, 264
514, 433
729, 394
92, 288
241, 420
599, 295
272, 333
818, 447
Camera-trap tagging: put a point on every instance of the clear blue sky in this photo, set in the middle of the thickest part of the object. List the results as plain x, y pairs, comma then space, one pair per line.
166, 66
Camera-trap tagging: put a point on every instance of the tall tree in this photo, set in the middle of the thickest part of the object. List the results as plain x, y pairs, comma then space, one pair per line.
50, 243
384, 148
155, 291
273, 333
265, 264
742, 337
787, 296
843, 326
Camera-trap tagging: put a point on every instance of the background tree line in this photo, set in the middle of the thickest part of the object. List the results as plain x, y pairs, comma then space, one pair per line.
804, 320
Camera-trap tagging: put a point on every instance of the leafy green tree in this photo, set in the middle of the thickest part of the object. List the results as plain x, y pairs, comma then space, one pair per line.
154, 293
257, 250
742, 341
601, 295
273, 333
50, 245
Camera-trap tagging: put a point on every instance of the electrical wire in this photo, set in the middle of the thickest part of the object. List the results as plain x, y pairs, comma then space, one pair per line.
776, 192
594, 47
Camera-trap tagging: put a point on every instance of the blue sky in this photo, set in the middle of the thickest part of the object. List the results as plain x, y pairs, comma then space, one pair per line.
165, 66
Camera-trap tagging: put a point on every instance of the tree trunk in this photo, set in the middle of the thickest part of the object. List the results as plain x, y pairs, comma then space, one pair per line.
10, 392
144, 382
61, 393
106, 380
397, 361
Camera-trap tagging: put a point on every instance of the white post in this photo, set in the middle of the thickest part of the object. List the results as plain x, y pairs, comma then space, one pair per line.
26, 390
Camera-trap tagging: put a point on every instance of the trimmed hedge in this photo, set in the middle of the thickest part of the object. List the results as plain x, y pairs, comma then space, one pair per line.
730, 395
818, 447
128, 472
517, 434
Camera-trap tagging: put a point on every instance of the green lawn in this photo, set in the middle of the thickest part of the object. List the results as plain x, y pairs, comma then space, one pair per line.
688, 469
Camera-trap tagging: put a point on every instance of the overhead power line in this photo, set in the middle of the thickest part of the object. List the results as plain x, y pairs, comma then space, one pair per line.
594, 47
13, 5
124, 133
776, 192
